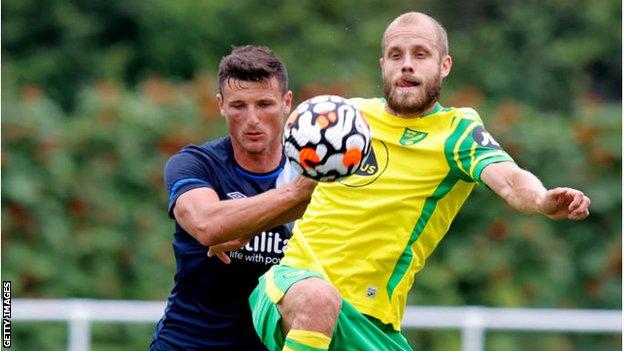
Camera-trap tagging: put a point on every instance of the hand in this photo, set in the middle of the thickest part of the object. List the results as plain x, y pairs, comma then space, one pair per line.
305, 186
220, 249
560, 203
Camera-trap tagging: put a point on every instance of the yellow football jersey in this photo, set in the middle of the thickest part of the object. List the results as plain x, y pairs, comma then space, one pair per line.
371, 232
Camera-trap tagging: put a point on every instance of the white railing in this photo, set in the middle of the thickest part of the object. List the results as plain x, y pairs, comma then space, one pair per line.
472, 321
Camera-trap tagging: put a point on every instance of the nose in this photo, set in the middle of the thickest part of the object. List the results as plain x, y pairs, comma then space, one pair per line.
253, 116
407, 65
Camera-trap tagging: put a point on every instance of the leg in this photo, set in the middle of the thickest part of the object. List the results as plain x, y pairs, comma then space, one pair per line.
288, 298
310, 304
309, 311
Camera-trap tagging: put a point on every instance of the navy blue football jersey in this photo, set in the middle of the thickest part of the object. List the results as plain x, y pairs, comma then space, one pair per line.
208, 308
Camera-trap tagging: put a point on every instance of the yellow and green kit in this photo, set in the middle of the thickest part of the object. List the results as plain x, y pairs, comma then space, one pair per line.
368, 234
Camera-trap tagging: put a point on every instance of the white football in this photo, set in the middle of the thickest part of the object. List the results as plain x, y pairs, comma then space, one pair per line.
326, 138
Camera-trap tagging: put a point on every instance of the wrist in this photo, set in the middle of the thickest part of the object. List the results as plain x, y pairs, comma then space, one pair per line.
295, 193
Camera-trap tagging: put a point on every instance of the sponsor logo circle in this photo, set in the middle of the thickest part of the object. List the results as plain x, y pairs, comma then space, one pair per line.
372, 169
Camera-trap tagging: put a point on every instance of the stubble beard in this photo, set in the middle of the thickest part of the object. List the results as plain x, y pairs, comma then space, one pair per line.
417, 102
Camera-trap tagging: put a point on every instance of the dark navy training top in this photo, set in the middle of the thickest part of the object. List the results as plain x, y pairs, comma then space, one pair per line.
208, 308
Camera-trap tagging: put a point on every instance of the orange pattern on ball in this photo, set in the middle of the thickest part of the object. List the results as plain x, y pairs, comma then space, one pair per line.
308, 157
352, 157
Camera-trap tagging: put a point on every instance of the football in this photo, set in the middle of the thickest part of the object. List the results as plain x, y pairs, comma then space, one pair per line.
326, 138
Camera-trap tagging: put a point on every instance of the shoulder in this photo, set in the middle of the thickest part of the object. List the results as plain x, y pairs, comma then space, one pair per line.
219, 146
215, 149
465, 113
205, 156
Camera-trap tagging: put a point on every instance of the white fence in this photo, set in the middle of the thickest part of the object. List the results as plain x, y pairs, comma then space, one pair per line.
472, 321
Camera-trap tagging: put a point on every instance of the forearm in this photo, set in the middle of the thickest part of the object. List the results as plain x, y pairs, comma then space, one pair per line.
227, 220
286, 217
524, 192
211, 221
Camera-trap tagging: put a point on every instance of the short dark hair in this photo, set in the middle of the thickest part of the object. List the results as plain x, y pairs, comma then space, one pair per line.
252, 64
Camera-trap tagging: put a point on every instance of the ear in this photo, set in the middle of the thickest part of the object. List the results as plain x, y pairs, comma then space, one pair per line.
445, 66
220, 102
287, 100
381, 63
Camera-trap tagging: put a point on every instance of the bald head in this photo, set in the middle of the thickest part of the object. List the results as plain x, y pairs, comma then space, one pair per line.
417, 18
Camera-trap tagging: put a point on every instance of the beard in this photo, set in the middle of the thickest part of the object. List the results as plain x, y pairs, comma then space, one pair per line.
415, 101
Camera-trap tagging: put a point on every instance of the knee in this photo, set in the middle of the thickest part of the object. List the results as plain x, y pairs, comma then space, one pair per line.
311, 303
317, 296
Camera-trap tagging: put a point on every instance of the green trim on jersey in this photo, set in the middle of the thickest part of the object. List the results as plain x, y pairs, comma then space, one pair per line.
465, 162
494, 159
436, 108
449, 149
429, 208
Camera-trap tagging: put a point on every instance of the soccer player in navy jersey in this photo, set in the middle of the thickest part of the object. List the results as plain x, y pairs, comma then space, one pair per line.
234, 193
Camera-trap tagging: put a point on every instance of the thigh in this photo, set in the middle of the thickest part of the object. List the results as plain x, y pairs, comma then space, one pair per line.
272, 287
353, 332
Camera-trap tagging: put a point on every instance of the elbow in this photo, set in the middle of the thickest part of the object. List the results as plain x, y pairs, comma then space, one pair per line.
204, 234
208, 233
201, 229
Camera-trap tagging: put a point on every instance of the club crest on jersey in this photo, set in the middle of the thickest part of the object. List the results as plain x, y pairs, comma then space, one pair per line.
411, 137
483, 138
236, 195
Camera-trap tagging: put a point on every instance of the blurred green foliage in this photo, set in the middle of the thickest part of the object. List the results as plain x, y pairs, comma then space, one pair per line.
97, 95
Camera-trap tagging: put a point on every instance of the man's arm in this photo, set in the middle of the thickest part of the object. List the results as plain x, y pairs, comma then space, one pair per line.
219, 249
525, 193
212, 222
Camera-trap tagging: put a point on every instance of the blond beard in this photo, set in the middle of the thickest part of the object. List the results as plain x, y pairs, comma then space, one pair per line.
430, 91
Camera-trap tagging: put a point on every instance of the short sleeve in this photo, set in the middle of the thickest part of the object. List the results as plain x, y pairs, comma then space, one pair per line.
185, 171
470, 148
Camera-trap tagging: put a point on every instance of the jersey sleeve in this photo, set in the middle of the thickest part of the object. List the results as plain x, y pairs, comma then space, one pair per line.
470, 148
185, 171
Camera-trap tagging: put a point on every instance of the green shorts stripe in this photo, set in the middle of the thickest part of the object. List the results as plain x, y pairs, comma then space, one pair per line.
354, 331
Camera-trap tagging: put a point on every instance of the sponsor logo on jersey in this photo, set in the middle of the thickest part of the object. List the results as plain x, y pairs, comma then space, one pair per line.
411, 137
266, 242
236, 195
371, 291
484, 138
374, 166
265, 248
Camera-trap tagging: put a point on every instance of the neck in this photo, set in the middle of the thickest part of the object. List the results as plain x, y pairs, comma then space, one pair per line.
258, 163
418, 114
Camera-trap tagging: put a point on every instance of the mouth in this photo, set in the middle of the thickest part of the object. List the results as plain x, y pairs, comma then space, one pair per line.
254, 135
408, 83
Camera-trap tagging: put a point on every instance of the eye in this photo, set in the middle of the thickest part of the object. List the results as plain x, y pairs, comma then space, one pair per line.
265, 104
421, 54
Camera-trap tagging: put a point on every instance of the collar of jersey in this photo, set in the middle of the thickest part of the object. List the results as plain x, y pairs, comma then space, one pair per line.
261, 176
252, 175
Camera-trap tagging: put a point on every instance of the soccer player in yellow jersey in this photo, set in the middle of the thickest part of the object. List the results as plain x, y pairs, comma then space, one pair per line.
344, 280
